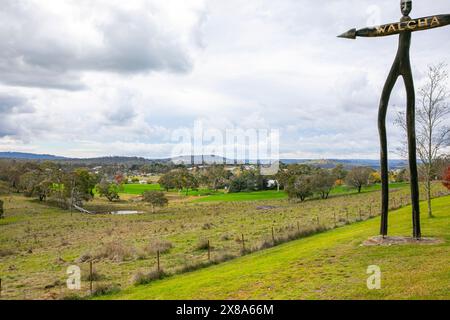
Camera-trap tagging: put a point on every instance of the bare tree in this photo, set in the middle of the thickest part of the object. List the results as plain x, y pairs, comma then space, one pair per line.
358, 177
432, 133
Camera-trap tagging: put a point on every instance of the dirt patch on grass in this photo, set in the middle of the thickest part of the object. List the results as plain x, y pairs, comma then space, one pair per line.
396, 241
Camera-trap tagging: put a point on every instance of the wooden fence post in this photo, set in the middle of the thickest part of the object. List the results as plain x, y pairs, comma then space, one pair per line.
334, 215
298, 226
273, 235
360, 215
0, 287
91, 287
243, 243
209, 251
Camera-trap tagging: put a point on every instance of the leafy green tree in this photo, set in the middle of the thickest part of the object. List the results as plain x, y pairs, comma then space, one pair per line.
180, 179
339, 172
238, 184
109, 190
36, 183
78, 186
135, 180
323, 182
248, 181
155, 199
168, 181
300, 187
286, 173
216, 177
187, 181
13, 177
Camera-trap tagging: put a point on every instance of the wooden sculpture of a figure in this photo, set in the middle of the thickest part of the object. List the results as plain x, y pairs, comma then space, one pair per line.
400, 68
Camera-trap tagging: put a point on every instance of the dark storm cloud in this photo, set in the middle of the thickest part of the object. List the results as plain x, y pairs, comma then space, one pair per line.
39, 49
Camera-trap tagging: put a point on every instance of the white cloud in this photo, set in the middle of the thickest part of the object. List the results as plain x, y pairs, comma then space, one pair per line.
49, 43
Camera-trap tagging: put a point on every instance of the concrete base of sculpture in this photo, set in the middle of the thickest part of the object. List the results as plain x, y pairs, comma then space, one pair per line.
396, 241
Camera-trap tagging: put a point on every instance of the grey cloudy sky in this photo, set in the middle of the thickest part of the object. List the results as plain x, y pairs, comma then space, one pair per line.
107, 77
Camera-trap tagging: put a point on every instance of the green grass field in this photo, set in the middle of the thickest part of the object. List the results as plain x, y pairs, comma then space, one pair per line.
244, 196
138, 189
375, 187
330, 265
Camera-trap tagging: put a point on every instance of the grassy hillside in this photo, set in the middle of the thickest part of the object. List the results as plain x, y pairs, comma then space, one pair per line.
331, 265
39, 241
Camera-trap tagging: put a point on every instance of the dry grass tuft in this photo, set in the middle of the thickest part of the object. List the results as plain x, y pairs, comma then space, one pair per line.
162, 246
141, 278
4, 252
115, 251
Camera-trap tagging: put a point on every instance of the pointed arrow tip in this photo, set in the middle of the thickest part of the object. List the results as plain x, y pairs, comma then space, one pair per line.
351, 34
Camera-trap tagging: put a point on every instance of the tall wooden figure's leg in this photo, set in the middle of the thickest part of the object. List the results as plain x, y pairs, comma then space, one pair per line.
411, 125
392, 78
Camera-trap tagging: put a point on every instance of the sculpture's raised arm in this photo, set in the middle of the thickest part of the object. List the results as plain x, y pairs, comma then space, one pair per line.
399, 27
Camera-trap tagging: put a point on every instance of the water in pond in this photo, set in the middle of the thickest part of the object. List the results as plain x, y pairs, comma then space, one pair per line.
125, 212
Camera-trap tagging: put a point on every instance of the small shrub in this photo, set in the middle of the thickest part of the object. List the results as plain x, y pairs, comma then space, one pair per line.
190, 267
223, 257
94, 277
207, 226
202, 244
265, 244
115, 251
226, 237
141, 278
105, 289
85, 257
141, 254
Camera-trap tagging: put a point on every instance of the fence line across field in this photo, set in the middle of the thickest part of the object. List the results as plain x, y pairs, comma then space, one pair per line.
394, 206
336, 222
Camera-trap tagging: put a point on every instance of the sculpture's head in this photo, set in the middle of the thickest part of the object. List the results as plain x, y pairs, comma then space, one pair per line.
406, 7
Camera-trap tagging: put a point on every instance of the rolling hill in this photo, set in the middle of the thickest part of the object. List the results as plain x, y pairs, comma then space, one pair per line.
331, 265
28, 156
208, 159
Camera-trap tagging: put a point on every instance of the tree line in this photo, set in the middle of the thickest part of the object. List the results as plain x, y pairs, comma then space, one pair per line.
67, 186
64, 185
